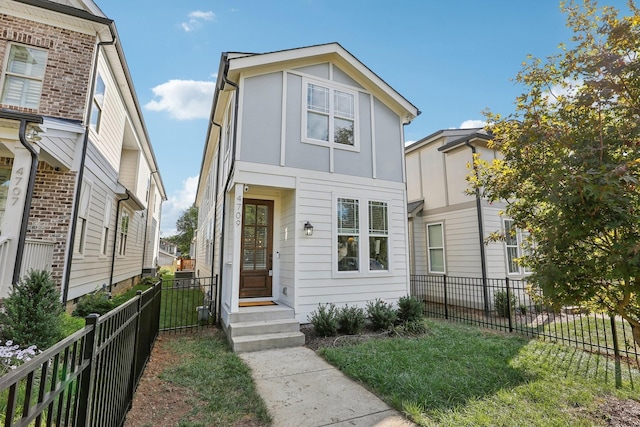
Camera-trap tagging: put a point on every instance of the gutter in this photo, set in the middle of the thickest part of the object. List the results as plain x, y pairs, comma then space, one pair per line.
24, 119
483, 261
83, 158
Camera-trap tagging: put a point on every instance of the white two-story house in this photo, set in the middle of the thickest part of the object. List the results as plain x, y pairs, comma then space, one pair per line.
302, 197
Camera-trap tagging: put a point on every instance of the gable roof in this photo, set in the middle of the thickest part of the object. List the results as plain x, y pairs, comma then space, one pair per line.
245, 62
450, 138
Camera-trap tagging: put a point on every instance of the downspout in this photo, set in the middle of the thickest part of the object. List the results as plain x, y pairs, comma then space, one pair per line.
85, 143
231, 170
27, 200
483, 261
115, 241
146, 224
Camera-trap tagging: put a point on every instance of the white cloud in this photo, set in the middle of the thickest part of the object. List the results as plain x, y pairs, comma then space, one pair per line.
176, 204
195, 20
470, 124
183, 99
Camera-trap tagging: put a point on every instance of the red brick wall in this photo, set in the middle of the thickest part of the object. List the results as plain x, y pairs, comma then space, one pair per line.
50, 214
69, 61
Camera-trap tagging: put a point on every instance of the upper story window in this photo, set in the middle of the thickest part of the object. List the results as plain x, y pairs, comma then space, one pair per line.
330, 116
97, 105
24, 73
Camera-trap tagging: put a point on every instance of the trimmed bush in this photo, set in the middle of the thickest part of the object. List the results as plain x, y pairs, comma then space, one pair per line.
325, 320
409, 309
382, 314
96, 302
502, 304
351, 320
32, 311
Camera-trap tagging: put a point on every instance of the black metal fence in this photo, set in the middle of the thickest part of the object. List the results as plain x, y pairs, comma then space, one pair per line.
188, 303
87, 379
512, 305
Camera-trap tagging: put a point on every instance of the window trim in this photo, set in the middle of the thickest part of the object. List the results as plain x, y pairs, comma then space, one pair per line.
106, 227
122, 248
6, 73
96, 105
332, 87
521, 271
82, 223
429, 248
363, 234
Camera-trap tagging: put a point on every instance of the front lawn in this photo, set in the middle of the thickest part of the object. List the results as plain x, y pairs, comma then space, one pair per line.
459, 375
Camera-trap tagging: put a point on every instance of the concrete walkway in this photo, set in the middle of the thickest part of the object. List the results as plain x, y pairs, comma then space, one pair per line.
300, 389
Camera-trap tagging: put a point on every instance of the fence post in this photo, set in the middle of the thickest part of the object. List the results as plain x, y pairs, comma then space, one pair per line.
86, 380
616, 352
509, 304
136, 350
446, 302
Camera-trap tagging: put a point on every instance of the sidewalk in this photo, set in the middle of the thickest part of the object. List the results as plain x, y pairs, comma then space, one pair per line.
300, 389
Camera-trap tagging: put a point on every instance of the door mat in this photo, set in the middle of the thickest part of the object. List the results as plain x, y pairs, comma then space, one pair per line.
255, 303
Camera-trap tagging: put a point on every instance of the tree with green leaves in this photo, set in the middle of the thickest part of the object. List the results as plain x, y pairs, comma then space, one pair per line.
186, 225
570, 169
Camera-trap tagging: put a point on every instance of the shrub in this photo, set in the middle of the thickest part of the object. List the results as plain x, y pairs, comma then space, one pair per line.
502, 304
351, 320
412, 328
409, 309
96, 302
71, 324
32, 311
382, 314
325, 320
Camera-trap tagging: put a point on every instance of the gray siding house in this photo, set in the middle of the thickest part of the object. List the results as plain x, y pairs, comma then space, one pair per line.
302, 196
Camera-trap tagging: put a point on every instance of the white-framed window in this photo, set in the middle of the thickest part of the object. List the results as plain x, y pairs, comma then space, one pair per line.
83, 216
97, 104
378, 235
23, 76
106, 222
514, 244
330, 115
123, 232
362, 248
435, 247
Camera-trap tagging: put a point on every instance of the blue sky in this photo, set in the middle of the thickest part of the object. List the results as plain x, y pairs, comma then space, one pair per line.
451, 59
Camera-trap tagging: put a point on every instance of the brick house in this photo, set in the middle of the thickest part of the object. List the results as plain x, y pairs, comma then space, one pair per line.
80, 191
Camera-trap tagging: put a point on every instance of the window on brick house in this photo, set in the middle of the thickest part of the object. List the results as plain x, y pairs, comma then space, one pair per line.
83, 215
23, 76
123, 233
97, 105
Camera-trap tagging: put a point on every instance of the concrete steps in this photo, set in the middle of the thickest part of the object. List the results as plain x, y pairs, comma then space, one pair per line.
263, 328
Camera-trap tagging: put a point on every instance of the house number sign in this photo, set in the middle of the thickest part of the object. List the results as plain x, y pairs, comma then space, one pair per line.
238, 216
16, 190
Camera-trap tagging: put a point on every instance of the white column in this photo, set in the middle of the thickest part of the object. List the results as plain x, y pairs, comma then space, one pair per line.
14, 211
235, 224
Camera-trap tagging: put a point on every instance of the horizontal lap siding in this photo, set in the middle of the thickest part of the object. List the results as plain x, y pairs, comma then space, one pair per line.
316, 281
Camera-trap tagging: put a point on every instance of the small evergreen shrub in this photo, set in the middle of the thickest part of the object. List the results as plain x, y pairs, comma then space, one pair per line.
351, 320
32, 311
382, 314
97, 302
325, 320
409, 309
414, 328
503, 304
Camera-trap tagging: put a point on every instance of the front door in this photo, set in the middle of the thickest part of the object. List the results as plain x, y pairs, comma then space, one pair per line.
257, 242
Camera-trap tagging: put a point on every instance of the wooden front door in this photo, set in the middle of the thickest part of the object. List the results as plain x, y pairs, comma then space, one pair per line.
257, 243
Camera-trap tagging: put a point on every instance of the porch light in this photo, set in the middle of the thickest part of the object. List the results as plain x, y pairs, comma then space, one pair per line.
308, 229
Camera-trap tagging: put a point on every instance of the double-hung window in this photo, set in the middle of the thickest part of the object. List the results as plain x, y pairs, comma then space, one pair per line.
435, 247
378, 236
330, 115
123, 233
23, 77
83, 216
362, 235
514, 242
106, 221
97, 105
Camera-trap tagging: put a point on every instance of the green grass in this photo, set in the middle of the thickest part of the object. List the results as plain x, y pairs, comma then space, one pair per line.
220, 384
178, 306
458, 375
